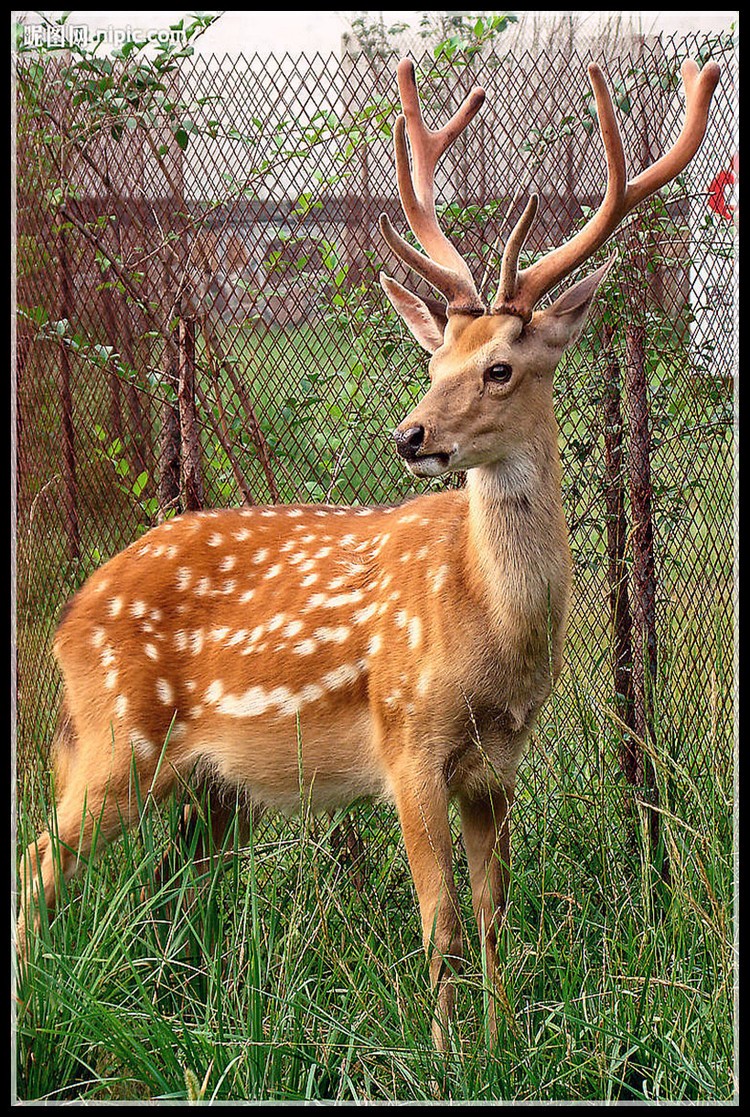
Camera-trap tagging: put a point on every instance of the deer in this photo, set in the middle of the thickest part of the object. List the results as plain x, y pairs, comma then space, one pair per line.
402, 652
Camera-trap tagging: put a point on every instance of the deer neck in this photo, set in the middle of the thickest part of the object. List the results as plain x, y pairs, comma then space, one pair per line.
519, 558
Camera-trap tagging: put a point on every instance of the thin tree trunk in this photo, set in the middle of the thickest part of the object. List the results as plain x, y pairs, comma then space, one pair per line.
67, 432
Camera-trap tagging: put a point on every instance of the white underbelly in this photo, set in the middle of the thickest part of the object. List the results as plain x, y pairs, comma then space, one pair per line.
325, 763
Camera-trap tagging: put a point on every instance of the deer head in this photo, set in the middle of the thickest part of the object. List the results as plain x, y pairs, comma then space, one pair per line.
492, 366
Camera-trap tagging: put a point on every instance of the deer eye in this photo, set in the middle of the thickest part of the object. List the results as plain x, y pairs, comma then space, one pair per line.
498, 374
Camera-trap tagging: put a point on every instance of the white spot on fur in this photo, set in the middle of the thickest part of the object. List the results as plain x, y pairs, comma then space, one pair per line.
317, 601
364, 615
345, 599
274, 571
121, 706
415, 632
215, 540
228, 563
256, 701
137, 609
260, 556
341, 676
305, 647
184, 578
335, 635
151, 651
141, 746
214, 692
164, 692
439, 580
115, 607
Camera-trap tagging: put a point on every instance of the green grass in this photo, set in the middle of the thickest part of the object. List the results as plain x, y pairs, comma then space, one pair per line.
286, 976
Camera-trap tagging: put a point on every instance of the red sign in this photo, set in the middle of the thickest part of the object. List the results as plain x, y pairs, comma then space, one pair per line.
717, 191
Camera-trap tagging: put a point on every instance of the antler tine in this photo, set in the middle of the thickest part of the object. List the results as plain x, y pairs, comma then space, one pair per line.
512, 250
620, 196
460, 295
699, 86
533, 282
443, 266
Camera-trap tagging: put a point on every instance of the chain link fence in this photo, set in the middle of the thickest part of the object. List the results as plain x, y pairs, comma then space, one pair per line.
200, 324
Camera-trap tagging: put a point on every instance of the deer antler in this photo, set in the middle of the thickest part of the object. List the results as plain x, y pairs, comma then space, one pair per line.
443, 267
520, 291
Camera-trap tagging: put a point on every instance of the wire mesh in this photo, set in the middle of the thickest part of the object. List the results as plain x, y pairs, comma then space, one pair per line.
231, 224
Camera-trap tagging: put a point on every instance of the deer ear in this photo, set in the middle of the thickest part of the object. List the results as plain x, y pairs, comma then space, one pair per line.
426, 321
561, 323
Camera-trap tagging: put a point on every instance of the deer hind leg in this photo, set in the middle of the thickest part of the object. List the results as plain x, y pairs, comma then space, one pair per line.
485, 823
422, 803
101, 788
212, 824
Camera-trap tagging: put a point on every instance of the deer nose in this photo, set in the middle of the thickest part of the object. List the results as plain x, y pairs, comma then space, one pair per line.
409, 442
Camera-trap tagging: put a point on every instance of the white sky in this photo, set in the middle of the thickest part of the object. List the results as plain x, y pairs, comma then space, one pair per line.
276, 31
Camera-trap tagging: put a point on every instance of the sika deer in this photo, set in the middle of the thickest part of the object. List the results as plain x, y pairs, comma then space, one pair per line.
408, 649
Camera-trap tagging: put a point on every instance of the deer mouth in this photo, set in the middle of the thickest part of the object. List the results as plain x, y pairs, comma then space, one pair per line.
430, 465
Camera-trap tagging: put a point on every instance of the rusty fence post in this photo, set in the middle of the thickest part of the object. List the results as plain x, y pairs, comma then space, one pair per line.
616, 522
192, 471
169, 441
643, 596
